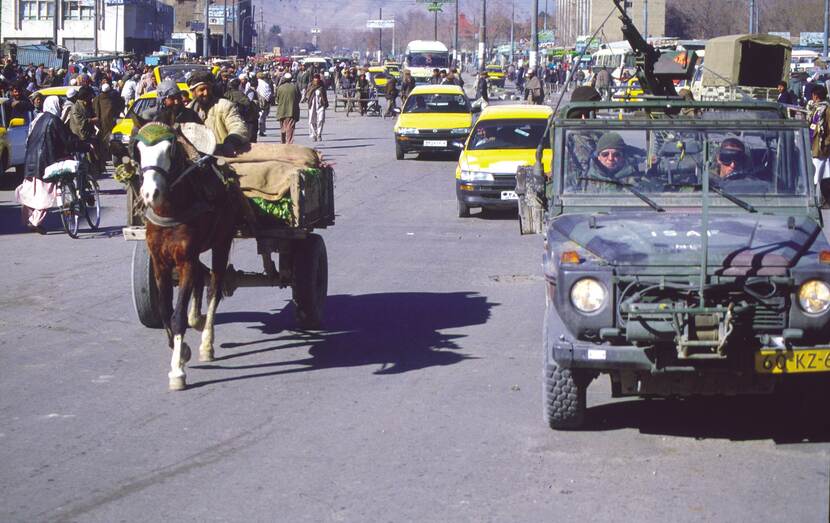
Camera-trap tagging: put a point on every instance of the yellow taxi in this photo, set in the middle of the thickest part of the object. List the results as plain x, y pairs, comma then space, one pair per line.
13, 133
394, 69
181, 72
379, 75
495, 75
504, 139
434, 118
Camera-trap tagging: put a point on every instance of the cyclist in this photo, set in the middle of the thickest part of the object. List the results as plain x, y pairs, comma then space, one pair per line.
49, 141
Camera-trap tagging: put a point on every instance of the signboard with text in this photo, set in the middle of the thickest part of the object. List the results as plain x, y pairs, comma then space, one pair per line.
380, 24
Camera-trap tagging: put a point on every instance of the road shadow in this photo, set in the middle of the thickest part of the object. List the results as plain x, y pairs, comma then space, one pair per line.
794, 415
391, 332
350, 139
11, 221
438, 156
494, 215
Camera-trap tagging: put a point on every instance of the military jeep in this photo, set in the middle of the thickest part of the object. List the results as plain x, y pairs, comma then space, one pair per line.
695, 266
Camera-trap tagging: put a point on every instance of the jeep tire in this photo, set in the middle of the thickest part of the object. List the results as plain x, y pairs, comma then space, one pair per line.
564, 397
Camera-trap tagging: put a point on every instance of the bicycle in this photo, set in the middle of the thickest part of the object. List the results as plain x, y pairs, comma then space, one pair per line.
78, 193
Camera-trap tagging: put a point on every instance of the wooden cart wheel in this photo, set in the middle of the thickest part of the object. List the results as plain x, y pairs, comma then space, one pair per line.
145, 292
311, 278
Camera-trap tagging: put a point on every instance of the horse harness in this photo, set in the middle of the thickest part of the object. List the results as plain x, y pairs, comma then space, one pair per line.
202, 205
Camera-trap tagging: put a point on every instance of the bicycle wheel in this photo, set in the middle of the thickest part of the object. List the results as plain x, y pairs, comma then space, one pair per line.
70, 211
91, 202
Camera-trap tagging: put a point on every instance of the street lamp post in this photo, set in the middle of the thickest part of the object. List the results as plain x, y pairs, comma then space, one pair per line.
482, 34
225, 30
534, 36
206, 34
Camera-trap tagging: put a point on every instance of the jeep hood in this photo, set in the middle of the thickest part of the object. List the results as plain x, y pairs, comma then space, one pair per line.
737, 243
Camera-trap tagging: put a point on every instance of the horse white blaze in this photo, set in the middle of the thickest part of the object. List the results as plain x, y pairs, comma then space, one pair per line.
154, 185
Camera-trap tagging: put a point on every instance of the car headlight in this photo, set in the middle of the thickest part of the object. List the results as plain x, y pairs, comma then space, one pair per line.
588, 295
814, 297
407, 130
461, 130
476, 176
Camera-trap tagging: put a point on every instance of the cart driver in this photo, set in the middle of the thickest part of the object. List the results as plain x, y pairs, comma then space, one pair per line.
220, 116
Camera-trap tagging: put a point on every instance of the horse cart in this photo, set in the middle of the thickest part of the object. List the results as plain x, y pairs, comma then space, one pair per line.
301, 261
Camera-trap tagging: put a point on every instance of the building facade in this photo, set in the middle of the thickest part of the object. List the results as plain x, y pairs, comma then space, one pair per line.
583, 17
190, 19
123, 25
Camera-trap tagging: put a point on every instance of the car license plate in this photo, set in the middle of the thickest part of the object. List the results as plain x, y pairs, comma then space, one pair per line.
509, 195
435, 143
779, 361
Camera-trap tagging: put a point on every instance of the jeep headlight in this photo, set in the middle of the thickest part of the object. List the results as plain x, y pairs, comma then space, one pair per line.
461, 130
407, 130
814, 297
476, 176
588, 295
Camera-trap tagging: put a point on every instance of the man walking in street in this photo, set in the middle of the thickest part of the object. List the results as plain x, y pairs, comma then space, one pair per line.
318, 102
602, 83
288, 108
534, 91
265, 96
819, 120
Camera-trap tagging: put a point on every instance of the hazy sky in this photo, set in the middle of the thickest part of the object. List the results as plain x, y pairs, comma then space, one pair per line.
299, 14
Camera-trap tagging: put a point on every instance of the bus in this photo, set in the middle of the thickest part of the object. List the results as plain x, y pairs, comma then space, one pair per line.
422, 56
617, 57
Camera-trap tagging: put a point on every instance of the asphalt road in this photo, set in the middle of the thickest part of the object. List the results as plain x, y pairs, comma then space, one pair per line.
420, 401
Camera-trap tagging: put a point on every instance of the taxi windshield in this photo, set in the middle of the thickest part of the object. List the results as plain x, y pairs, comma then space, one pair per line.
744, 162
507, 134
437, 103
180, 72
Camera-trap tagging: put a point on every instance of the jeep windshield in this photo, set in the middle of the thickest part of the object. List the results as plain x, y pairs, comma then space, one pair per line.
741, 162
437, 103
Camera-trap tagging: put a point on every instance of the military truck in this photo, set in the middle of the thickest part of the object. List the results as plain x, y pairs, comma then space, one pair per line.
744, 66
702, 270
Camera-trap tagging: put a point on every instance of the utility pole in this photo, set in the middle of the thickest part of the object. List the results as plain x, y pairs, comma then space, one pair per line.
826, 27
512, 29
380, 33
482, 35
94, 25
645, 18
435, 26
751, 16
225, 31
546, 15
55, 24
234, 38
534, 37
206, 37
455, 43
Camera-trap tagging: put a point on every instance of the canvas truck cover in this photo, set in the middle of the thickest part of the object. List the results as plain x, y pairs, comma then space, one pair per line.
752, 60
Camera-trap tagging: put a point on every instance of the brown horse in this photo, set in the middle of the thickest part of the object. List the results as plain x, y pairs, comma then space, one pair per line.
189, 210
